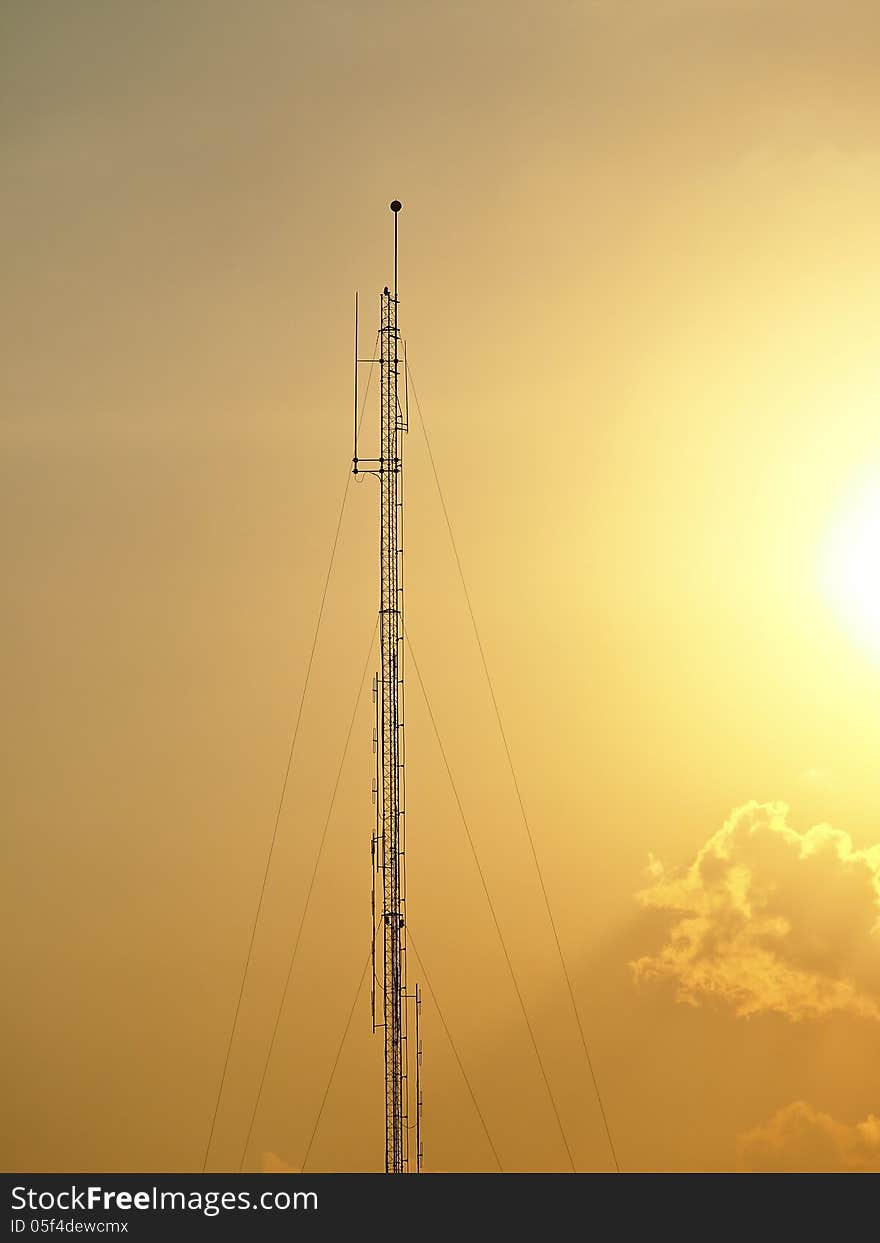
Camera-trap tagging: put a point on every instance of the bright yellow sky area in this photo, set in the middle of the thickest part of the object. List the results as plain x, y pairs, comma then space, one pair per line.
640, 286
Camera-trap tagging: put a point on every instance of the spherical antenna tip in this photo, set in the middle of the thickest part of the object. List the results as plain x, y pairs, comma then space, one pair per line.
396, 205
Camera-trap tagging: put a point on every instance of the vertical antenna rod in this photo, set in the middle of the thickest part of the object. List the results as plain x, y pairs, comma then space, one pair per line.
355, 458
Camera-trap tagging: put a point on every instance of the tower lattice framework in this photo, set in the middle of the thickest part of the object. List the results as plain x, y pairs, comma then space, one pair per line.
388, 844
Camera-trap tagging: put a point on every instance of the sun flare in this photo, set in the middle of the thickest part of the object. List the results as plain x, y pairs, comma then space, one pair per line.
851, 568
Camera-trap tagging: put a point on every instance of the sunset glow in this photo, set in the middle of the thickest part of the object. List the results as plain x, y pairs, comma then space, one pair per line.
639, 284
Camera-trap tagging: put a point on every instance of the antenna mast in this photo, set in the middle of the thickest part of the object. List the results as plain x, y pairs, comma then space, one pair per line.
388, 853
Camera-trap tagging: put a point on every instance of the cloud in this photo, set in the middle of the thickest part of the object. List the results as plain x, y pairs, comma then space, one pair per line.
271, 1163
771, 920
798, 1139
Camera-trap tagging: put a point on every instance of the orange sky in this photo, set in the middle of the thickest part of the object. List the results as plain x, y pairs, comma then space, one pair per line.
639, 285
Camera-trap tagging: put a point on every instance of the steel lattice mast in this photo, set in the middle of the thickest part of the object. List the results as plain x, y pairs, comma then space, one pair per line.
388, 839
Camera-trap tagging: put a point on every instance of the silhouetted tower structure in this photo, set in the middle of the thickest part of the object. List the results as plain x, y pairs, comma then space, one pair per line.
388, 842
